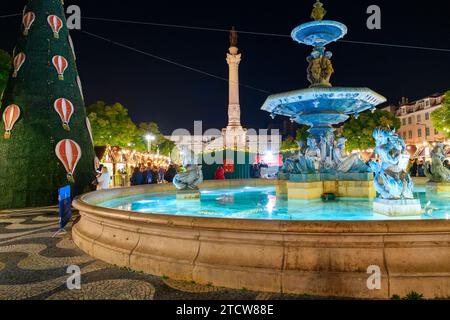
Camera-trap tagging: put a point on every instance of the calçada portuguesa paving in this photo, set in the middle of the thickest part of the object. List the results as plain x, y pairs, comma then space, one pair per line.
33, 265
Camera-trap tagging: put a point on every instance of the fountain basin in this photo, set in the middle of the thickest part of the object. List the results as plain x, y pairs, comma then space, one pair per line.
322, 107
326, 258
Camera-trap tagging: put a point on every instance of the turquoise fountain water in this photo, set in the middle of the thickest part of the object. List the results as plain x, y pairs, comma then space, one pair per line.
261, 203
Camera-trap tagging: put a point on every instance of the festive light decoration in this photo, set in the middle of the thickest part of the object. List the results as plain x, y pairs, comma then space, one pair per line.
89, 127
61, 65
19, 60
10, 117
80, 87
32, 146
56, 24
69, 153
27, 21
65, 110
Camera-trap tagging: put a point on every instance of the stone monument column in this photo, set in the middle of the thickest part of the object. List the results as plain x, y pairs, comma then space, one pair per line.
234, 134
234, 108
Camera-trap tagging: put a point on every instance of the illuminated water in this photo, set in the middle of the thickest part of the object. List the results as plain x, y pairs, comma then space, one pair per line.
262, 203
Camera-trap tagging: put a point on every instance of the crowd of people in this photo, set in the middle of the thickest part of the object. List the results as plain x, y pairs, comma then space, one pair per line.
417, 168
151, 174
140, 175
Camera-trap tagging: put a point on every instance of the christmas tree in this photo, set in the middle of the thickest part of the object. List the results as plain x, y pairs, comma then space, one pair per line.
45, 140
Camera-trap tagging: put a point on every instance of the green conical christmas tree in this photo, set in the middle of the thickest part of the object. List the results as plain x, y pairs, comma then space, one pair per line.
43, 91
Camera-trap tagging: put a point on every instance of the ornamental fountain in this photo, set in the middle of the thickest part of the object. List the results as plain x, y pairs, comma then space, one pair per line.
321, 105
323, 166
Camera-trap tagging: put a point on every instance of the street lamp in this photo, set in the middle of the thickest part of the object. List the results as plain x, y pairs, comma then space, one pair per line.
149, 138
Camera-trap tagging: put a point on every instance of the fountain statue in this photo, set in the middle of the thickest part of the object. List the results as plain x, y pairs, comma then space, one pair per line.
391, 171
437, 172
347, 163
393, 184
187, 182
190, 179
303, 161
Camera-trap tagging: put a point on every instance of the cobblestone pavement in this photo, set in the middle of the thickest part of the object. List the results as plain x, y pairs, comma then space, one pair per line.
33, 265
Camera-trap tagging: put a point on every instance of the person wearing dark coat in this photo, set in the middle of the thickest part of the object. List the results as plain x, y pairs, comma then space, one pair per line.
414, 169
137, 178
170, 174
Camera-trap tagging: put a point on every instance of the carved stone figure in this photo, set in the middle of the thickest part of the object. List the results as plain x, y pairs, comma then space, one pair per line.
347, 163
392, 181
326, 152
303, 162
320, 68
437, 172
310, 161
189, 180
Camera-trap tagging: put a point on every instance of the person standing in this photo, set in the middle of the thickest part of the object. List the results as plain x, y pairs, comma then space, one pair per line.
161, 175
137, 178
104, 179
220, 173
414, 168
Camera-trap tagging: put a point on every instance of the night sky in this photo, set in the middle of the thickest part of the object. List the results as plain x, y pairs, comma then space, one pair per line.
174, 97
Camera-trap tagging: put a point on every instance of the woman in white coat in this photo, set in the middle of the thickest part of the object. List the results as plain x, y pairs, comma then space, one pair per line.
104, 179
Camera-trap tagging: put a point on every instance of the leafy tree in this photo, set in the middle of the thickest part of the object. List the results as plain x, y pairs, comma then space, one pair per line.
359, 131
302, 133
441, 116
5, 68
164, 145
289, 144
111, 125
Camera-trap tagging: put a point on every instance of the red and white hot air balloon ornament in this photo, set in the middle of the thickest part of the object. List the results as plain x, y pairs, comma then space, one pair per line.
27, 21
61, 65
56, 24
19, 60
10, 117
69, 153
65, 110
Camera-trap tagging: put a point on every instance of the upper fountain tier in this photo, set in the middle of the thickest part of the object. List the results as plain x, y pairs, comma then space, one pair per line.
321, 106
319, 33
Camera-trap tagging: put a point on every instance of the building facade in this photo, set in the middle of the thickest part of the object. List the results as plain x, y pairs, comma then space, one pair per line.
415, 118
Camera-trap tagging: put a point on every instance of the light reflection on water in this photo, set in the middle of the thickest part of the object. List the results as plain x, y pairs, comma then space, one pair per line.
262, 203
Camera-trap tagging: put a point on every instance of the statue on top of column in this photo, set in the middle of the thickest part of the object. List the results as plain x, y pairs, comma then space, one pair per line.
233, 37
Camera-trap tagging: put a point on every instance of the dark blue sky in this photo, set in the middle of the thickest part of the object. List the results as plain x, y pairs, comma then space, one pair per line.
174, 97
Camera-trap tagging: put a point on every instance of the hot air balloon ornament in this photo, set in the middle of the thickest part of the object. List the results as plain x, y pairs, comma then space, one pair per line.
65, 110
19, 60
27, 21
56, 24
69, 153
61, 65
10, 117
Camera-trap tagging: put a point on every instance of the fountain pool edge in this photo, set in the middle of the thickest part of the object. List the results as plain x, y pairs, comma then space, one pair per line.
326, 258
